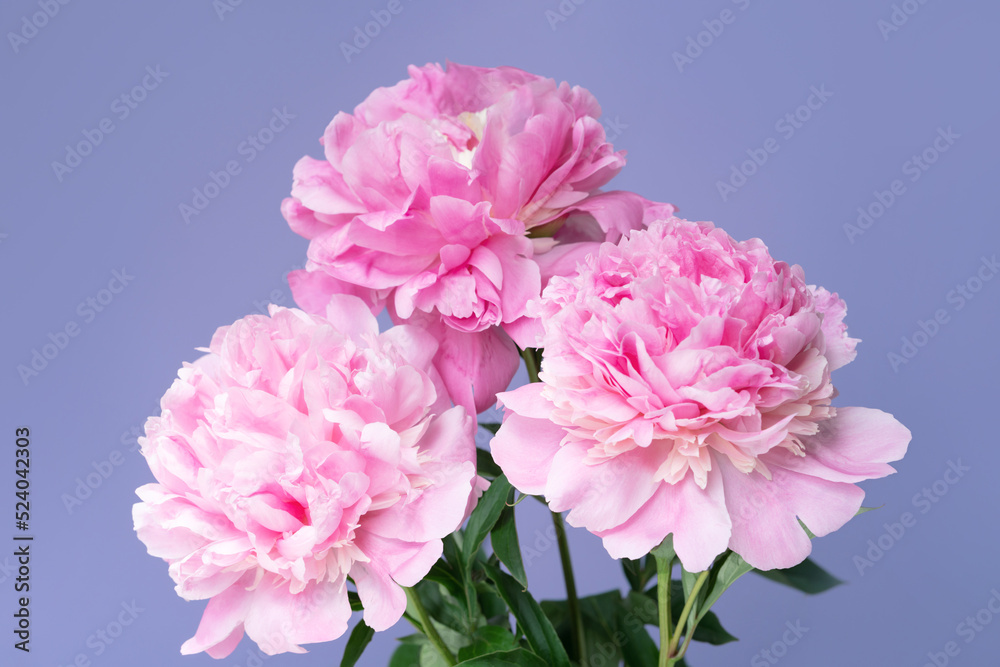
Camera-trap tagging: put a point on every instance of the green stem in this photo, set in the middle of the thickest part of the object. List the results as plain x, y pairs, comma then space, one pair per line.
687, 640
429, 628
702, 578
663, 568
530, 363
572, 602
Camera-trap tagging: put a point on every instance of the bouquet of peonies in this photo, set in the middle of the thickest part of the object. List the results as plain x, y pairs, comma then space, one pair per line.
309, 465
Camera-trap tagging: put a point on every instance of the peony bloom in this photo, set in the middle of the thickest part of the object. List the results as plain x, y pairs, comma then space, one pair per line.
686, 389
297, 452
447, 198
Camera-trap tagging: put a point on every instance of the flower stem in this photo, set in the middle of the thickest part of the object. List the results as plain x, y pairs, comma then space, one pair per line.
663, 568
530, 363
428, 626
702, 578
572, 602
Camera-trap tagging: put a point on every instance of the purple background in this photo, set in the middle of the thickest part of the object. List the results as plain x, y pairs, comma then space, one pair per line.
684, 131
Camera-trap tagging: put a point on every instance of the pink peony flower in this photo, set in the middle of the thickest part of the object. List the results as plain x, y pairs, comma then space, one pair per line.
686, 389
297, 452
439, 196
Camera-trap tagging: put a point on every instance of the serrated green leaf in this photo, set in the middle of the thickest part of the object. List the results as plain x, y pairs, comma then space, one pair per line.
360, 637
531, 621
807, 577
484, 517
506, 546
516, 658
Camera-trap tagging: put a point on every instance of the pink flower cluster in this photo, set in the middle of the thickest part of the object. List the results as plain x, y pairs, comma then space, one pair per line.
450, 198
686, 389
299, 451
685, 386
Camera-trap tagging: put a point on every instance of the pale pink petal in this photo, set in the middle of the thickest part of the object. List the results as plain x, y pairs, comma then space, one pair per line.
383, 599
279, 620
221, 626
697, 517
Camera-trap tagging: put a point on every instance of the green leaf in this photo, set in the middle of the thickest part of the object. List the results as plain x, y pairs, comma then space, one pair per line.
807, 577
867, 509
488, 639
446, 609
444, 574
537, 629
639, 572
614, 629
633, 573
361, 636
492, 427
643, 607
506, 546
637, 647
598, 629
688, 580
484, 517
494, 609
406, 655
725, 571
430, 657
355, 601
516, 658
485, 465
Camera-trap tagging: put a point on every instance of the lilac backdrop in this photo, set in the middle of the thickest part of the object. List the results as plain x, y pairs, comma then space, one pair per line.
889, 91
